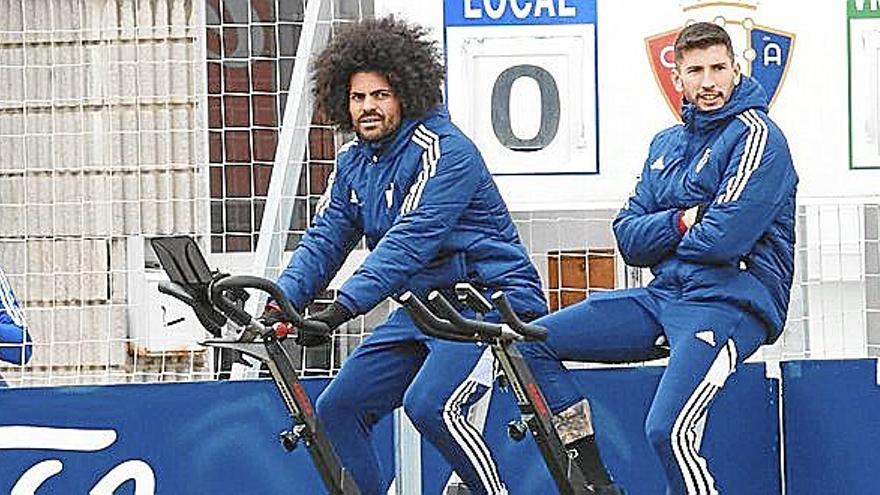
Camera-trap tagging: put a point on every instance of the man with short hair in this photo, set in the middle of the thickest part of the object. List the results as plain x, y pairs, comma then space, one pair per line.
15, 343
418, 189
713, 217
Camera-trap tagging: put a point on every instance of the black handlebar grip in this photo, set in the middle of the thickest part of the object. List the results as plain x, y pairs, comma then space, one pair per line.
213, 322
238, 315
430, 324
176, 291
529, 332
479, 329
314, 326
208, 317
225, 304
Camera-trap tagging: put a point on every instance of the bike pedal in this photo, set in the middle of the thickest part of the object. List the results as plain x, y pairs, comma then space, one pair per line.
517, 429
290, 438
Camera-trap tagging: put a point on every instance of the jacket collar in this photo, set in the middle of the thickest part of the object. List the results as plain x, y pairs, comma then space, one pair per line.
394, 144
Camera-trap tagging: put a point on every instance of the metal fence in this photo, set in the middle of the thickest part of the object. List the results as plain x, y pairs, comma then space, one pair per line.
121, 120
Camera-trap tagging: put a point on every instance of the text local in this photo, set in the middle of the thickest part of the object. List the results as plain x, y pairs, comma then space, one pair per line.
521, 9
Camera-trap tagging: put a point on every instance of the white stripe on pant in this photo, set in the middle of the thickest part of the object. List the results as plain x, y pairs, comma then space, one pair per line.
685, 437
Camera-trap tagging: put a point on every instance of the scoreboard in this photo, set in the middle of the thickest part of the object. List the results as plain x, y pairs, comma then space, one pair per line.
521, 82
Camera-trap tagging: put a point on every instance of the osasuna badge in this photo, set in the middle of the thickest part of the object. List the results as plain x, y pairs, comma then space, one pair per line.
762, 52
662, 58
770, 50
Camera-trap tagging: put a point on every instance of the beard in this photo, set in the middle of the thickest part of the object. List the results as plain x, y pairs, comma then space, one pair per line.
374, 127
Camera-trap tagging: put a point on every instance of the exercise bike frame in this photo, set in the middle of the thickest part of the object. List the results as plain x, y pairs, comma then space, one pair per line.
443, 321
214, 297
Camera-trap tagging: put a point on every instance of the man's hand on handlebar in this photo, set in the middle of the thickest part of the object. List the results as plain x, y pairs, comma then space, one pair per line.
318, 327
273, 316
314, 331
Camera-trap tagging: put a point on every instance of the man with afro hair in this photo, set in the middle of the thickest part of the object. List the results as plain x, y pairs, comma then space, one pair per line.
417, 189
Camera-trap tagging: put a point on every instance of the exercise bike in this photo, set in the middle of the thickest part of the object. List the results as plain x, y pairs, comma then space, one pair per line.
216, 297
440, 319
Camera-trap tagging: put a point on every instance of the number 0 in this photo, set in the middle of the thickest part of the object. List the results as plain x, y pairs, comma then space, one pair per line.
549, 108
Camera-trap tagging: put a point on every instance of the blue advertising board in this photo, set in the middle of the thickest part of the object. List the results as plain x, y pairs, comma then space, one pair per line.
222, 438
193, 438
831, 413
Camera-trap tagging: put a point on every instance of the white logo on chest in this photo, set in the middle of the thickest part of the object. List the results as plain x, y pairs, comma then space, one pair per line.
389, 195
354, 198
703, 160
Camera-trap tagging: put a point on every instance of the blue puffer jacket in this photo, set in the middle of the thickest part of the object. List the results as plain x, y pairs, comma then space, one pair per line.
15, 344
431, 214
736, 161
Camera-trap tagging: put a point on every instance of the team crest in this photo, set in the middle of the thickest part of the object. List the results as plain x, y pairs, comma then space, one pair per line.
763, 53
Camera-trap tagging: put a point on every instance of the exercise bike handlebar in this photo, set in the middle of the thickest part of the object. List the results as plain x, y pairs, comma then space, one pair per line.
471, 297
527, 331
430, 324
176, 291
240, 316
219, 287
468, 295
212, 320
478, 330
442, 320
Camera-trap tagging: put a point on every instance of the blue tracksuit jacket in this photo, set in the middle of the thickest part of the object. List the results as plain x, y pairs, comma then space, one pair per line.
736, 161
431, 214
13, 329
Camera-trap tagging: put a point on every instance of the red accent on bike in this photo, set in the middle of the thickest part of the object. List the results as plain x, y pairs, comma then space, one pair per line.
304, 403
538, 399
282, 330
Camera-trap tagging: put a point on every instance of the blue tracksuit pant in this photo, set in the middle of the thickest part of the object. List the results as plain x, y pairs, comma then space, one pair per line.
706, 340
435, 381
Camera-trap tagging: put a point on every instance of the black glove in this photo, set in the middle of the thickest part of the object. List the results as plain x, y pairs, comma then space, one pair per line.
272, 314
273, 317
317, 328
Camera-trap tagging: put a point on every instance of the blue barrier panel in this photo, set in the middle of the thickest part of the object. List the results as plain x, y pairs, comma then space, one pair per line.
742, 440
194, 438
831, 416
222, 437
